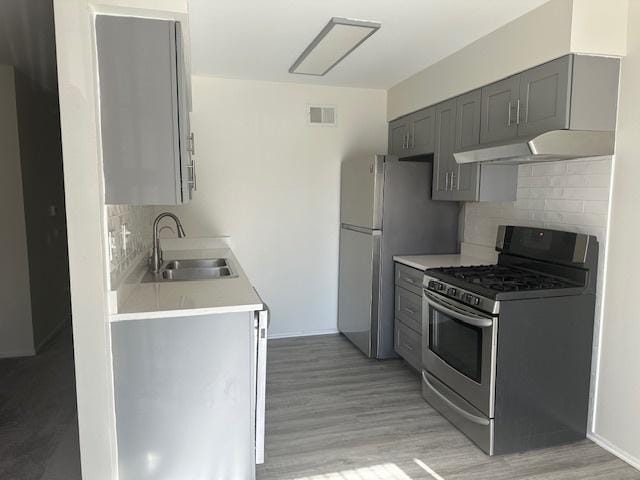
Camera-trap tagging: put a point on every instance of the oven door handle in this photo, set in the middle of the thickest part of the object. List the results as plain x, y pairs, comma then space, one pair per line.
475, 320
460, 411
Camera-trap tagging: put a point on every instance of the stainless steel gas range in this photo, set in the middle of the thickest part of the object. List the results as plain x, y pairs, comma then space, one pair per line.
506, 348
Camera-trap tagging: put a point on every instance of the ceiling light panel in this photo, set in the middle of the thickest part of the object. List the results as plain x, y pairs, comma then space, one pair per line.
338, 38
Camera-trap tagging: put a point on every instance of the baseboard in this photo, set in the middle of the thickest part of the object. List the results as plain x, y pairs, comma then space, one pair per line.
52, 334
302, 334
18, 353
611, 448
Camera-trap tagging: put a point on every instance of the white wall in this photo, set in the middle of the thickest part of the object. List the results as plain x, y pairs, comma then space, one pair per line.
27, 42
550, 31
617, 422
16, 333
271, 181
87, 224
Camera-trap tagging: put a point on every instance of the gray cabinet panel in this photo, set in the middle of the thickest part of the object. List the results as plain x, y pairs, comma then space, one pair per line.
499, 110
443, 161
408, 344
398, 135
409, 278
544, 97
142, 109
422, 132
408, 307
466, 176
183, 390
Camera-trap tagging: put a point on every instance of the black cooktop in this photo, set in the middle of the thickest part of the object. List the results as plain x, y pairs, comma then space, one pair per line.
504, 282
504, 279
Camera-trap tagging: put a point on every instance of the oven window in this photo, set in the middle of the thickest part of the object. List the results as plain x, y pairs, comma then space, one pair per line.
457, 343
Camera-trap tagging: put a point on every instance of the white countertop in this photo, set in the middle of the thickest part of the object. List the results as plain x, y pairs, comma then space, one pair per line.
186, 298
422, 262
470, 254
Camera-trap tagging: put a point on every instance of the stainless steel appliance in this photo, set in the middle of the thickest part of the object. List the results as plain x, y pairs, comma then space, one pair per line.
507, 348
385, 210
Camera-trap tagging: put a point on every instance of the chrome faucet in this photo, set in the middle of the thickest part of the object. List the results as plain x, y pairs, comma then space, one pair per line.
156, 254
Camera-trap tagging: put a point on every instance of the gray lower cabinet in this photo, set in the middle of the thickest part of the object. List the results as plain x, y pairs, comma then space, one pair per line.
408, 315
184, 392
144, 107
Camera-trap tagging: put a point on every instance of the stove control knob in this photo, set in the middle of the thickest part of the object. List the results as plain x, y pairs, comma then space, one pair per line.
471, 299
433, 285
452, 292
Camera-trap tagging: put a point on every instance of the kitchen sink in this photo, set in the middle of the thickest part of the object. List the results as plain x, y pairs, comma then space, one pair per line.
196, 263
191, 269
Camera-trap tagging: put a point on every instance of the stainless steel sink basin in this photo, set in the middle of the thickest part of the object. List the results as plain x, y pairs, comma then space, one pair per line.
191, 269
196, 263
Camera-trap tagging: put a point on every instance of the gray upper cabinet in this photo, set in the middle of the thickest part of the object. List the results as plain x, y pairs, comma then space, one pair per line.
544, 97
146, 140
413, 134
398, 137
499, 110
443, 161
576, 92
422, 132
527, 104
466, 176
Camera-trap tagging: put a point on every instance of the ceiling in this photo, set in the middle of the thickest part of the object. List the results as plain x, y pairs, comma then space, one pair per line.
260, 39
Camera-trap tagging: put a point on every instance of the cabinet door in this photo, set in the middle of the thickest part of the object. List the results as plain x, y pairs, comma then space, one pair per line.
444, 144
422, 132
398, 136
140, 109
544, 97
465, 180
499, 105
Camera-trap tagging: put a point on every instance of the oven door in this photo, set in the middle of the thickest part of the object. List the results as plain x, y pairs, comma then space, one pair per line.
459, 348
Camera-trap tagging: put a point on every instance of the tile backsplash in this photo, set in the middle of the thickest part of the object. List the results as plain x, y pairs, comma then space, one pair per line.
572, 195
130, 236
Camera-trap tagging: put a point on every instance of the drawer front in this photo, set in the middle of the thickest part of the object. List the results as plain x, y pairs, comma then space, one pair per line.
407, 344
409, 278
409, 309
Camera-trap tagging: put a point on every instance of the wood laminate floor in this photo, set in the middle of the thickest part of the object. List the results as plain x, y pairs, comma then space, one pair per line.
333, 414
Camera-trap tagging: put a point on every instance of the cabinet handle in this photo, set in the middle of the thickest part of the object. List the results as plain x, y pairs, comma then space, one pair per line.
411, 311
192, 150
518, 112
509, 114
408, 347
453, 176
446, 182
192, 144
408, 280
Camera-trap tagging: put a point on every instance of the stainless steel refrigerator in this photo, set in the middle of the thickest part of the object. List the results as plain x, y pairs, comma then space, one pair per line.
385, 210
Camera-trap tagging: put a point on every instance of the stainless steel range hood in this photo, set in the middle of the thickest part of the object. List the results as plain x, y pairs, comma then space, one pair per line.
546, 147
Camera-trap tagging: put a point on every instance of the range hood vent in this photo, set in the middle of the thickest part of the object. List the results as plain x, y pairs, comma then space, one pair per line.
547, 147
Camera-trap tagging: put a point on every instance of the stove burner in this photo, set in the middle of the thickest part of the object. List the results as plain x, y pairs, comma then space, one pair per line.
504, 279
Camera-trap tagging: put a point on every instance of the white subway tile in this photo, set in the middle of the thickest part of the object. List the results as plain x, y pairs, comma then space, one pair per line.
533, 181
524, 171
594, 167
586, 193
597, 206
547, 169
563, 205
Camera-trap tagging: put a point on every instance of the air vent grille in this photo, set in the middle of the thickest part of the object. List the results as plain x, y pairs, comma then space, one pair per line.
321, 115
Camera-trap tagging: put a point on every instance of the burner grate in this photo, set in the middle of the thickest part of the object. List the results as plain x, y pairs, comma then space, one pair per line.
505, 279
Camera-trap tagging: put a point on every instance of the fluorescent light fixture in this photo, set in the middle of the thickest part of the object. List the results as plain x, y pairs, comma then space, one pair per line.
338, 38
